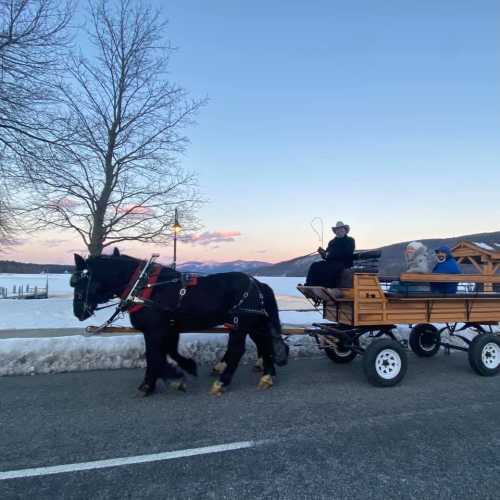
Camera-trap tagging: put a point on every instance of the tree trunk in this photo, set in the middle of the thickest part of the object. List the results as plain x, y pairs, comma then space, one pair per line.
96, 244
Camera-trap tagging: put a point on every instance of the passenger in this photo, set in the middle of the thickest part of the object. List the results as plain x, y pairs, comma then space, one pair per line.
417, 260
338, 256
446, 265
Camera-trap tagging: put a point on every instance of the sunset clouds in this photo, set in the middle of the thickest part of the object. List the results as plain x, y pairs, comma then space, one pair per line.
209, 238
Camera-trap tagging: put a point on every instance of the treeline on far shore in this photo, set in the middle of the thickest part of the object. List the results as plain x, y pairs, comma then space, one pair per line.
10, 266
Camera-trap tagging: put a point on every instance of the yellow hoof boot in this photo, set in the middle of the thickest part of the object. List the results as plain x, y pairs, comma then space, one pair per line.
178, 385
217, 388
266, 382
219, 368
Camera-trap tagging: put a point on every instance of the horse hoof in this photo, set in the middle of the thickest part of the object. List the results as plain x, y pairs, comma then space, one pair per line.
217, 389
178, 385
219, 368
144, 387
259, 365
147, 390
266, 382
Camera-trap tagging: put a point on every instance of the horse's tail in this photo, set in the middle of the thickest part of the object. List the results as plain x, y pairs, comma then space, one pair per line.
271, 306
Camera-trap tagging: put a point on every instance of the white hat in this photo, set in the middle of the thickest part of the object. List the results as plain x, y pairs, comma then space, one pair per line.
341, 225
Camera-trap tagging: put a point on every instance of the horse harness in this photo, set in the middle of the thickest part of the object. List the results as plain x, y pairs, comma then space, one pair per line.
137, 294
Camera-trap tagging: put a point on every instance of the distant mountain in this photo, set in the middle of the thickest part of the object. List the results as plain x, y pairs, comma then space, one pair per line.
9, 266
391, 263
221, 267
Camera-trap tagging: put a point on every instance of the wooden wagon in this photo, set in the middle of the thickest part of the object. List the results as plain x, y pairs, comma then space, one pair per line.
368, 310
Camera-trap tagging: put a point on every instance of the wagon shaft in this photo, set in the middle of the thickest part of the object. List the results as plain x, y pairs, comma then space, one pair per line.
287, 330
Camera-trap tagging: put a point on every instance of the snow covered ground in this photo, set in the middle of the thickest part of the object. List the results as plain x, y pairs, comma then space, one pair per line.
21, 356
58, 283
30, 356
57, 310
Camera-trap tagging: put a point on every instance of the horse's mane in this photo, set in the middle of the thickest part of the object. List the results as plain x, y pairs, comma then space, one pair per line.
116, 258
123, 258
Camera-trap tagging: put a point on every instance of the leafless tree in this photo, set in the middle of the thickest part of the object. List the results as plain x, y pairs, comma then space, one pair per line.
33, 38
114, 175
34, 35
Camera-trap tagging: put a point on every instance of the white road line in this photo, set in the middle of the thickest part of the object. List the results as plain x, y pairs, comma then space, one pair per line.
117, 462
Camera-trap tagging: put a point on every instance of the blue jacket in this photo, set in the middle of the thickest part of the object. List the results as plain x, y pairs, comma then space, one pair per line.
449, 266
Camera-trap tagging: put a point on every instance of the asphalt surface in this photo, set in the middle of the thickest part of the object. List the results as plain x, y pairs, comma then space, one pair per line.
331, 435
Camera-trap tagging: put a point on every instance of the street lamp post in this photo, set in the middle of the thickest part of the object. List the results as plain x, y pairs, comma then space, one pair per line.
177, 229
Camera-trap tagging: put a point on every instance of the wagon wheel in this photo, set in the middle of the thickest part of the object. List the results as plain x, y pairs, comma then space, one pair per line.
339, 354
484, 354
425, 340
385, 362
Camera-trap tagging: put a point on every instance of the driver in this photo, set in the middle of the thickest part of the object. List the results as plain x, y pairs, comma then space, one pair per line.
338, 256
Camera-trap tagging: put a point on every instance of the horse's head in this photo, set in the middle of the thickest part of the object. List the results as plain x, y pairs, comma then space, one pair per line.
91, 284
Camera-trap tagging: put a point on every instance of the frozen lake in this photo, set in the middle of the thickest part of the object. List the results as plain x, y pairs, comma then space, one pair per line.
57, 312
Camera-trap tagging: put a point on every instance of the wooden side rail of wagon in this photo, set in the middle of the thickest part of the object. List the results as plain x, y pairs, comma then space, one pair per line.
450, 278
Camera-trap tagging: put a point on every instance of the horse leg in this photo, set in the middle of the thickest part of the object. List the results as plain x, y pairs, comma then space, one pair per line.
235, 351
220, 366
156, 365
259, 364
172, 349
265, 346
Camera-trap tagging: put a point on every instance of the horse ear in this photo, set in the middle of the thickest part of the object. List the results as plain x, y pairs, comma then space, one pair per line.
79, 262
116, 252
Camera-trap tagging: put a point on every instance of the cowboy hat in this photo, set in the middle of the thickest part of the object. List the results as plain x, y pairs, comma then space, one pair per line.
341, 225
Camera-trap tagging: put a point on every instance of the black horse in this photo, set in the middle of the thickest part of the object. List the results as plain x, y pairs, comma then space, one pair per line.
174, 307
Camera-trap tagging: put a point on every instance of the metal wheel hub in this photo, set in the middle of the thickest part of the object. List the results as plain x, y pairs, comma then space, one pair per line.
427, 341
490, 355
388, 364
341, 353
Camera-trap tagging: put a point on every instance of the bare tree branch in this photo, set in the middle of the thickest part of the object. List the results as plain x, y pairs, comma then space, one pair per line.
112, 173
34, 36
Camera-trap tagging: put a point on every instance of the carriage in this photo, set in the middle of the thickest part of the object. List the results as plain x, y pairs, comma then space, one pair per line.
363, 316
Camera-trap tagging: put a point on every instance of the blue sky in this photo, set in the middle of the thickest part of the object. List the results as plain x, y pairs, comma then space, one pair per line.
384, 114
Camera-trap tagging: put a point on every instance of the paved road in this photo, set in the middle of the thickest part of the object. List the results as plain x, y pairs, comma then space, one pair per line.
330, 435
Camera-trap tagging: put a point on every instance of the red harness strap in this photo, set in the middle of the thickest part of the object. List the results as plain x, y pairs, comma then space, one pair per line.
146, 292
193, 281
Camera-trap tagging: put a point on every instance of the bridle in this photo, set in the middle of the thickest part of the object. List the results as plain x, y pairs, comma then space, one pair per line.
82, 294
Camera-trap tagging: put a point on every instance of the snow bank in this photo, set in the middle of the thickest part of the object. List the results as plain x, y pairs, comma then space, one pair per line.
30, 356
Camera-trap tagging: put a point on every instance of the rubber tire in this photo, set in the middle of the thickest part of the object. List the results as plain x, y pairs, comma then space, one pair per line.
334, 356
370, 356
475, 354
415, 340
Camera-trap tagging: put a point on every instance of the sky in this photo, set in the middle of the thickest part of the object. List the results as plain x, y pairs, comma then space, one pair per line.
385, 115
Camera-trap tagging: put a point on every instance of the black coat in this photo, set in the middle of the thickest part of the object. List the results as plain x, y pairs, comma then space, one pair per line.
341, 250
